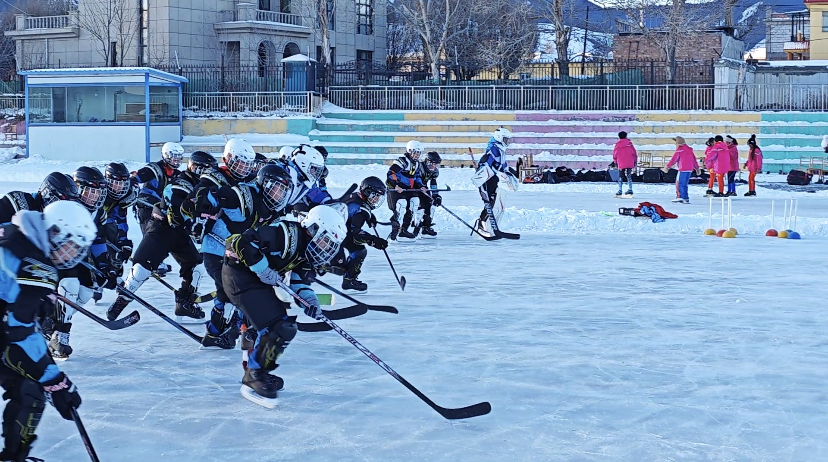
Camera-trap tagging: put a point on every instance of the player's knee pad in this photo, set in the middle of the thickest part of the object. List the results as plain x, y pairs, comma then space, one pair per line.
22, 415
273, 341
137, 275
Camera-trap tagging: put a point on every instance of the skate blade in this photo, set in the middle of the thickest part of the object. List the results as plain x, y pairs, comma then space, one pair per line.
250, 395
60, 358
354, 291
215, 348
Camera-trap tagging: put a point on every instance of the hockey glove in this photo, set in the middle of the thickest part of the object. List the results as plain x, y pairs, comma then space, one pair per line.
63, 395
313, 310
437, 200
269, 276
371, 221
379, 243
126, 251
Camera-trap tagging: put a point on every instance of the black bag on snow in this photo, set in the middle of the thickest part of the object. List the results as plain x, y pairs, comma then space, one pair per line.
799, 178
550, 177
563, 171
670, 176
637, 178
653, 175
594, 176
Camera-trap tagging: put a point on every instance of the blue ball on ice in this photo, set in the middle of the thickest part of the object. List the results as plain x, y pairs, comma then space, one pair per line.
789, 231
794, 235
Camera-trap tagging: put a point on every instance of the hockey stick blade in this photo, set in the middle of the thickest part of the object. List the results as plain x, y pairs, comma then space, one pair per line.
472, 228
117, 324
342, 313
505, 235
475, 410
206, 297
383, 308
348, 192
402, 283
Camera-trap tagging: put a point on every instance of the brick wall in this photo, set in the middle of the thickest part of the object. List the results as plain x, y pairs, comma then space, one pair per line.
702, 46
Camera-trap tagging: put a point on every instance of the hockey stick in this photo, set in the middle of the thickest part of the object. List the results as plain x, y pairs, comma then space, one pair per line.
342, 313
471, 154
123, 290
383, 308
348, 192
495, 228
117, 324
400, 279
427, 191
448, 413
84, 436
474, 230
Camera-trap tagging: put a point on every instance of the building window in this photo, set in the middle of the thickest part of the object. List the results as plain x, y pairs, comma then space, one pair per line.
143, 37
331, 14
825, 21
264, 5
364, 55
365, 17
89, 104
164, 107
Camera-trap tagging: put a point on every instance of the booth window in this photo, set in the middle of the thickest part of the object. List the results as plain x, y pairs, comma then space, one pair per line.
164, 107
87, 104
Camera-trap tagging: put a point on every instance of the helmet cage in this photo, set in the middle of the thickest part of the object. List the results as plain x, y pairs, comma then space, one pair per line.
274, 194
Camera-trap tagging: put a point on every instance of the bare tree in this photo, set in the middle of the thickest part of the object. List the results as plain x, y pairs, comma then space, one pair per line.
437, 22
400, 41
560, 14
158, 52
108, 22
510, 38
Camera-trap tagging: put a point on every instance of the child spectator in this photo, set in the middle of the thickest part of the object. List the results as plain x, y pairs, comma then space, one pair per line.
708, 164
753, 165
687, 164
625, 157
733, 150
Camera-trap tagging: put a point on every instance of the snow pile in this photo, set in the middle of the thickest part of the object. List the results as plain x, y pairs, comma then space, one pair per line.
7, 154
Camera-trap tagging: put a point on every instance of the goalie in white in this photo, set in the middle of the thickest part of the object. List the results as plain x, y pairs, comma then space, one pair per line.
491, 169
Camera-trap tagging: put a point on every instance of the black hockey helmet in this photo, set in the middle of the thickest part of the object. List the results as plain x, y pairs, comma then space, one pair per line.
261, 161
275, 183
372, 191
117, 180
91, 187
201, 162
58, 187
322, 151
433, 161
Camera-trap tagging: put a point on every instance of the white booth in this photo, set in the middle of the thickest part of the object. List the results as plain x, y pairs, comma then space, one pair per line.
113, 113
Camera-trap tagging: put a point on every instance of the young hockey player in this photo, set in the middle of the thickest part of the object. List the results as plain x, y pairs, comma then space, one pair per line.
167, 233
490, 168
236, 209
255, 261
33, 248
77, 284
56, 186
402, 180
360, 206
430, 172
153, 178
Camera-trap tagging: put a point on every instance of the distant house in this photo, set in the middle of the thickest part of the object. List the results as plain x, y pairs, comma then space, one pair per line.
787, 35
632, 44
818, 13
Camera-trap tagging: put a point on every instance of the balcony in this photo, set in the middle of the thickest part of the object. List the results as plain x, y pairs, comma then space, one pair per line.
796, 47
33, 27
248, 19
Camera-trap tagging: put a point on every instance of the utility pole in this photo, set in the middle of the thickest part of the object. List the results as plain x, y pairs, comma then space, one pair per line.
586, 31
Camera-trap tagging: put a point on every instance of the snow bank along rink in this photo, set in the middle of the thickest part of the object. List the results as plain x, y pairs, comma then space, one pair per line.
594, 337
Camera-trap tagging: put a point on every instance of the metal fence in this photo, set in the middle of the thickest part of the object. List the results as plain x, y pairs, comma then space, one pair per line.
527, 73
748, 97
246, 102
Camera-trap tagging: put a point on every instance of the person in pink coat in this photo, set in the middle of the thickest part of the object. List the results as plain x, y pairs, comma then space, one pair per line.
733, 150
708, 164
720, 161
753, 164
625, 158
686, 163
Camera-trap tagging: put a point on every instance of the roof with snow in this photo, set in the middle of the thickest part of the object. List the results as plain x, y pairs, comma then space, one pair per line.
104, 71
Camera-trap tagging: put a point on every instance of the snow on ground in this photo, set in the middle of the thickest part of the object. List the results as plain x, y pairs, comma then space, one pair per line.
595, 338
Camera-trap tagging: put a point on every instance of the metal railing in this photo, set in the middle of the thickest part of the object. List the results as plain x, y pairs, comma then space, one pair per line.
251, 102
47, 22
12, 101
281, 18
747, 97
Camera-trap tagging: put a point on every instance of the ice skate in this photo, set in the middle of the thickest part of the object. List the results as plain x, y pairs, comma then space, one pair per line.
117, 307
354, 285
59, 343
709, 193
428, 231
261, 388
185, 307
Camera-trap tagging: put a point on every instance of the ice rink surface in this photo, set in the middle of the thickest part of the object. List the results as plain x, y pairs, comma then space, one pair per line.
595, 338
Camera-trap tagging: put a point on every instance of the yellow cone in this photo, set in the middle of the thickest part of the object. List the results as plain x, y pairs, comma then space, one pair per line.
729, 234
783, 234
709, 232
733, 230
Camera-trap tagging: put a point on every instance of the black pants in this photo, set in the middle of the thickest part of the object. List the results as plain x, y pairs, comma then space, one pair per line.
22, 413
161, 241
254, 298
144, 215
488, 192
213, 264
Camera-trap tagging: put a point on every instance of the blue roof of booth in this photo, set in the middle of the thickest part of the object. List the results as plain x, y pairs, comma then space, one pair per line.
105, 71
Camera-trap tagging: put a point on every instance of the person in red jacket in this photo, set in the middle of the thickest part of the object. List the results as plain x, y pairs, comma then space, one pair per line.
753, 164
625, 157
720, 162
708, 164
687, 164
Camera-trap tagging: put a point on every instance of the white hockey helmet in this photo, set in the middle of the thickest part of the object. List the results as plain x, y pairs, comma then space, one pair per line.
285, 152
502, 136
414, 149
310, 162
71, 232
327, 229
239, 157
172, 153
